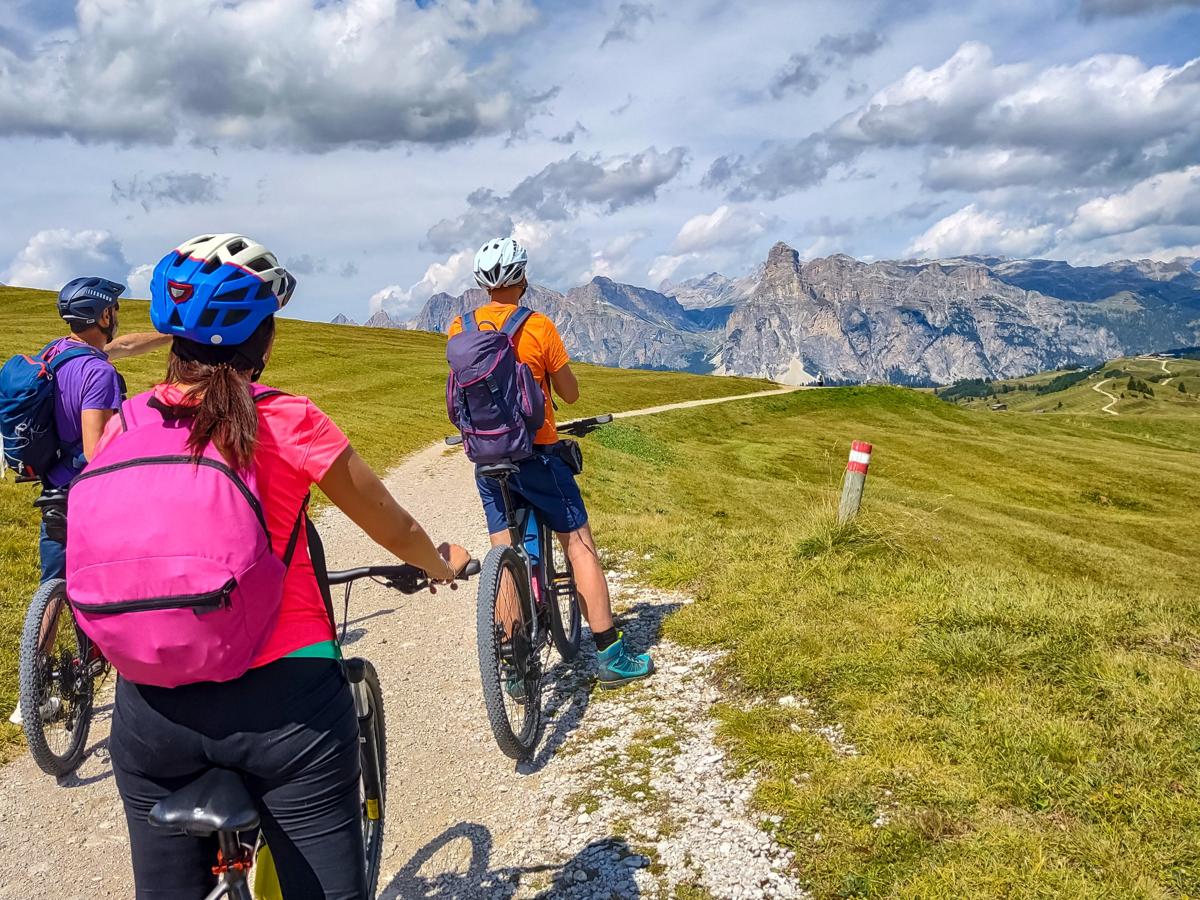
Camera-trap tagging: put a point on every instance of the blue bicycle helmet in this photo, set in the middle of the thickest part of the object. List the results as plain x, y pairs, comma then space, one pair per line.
217, 288
83, 300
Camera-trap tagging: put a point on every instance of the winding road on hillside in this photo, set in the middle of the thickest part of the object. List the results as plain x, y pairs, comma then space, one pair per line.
1098, 387
462, 823
1167, 371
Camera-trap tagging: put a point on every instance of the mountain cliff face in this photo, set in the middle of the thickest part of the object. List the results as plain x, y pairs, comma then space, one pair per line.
381, 319
907, 322
601, 322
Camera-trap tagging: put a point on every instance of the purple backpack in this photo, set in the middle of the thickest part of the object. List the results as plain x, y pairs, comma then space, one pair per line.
491, 396
170, 569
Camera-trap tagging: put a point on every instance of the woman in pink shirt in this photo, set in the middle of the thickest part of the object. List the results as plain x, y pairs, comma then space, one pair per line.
288, 725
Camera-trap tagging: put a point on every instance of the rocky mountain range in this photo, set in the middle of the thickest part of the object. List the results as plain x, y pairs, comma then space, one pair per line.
906, 322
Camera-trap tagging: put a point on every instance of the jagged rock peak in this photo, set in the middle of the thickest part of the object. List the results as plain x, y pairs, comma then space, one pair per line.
381, 319
342, 319
783, 256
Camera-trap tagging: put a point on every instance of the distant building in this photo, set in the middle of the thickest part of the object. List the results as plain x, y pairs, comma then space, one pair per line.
998, 407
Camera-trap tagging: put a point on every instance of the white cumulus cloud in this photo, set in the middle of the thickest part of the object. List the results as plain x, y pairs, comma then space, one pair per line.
726, 226
975, 230
269, 72
1172, 198
451, 276
138, 281
53, 257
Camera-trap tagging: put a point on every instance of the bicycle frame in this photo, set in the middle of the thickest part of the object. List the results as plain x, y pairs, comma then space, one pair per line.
233, 865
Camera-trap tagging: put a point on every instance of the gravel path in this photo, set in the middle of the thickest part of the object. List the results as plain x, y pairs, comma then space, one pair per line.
1098, 387
632, 799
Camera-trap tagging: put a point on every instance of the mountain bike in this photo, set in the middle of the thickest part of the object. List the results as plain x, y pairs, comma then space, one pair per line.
526, 602
58, 667
218, 803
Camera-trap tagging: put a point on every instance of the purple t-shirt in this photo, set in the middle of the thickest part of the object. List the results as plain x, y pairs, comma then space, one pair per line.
86, 382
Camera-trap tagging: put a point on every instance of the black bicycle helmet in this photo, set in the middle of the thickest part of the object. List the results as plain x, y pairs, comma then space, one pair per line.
83, 300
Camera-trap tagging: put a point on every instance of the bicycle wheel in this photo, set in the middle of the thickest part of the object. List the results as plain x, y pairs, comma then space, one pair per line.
368, 702
55, 681
565, 626
509, 666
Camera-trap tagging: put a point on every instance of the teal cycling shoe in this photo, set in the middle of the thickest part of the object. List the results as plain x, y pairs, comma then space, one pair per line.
616, 667
515, 688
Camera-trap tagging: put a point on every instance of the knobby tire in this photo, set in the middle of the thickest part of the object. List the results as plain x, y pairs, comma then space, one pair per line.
37, 685
517, 743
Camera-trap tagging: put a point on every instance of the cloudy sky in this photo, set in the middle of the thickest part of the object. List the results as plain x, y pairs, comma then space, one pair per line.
374, 143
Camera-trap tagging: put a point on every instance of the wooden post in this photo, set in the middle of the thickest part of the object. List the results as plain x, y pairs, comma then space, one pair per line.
855, 480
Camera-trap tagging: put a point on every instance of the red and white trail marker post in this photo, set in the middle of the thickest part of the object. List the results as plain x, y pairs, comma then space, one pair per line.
855, 481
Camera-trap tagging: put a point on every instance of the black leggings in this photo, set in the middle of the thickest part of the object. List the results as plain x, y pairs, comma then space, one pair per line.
289, 729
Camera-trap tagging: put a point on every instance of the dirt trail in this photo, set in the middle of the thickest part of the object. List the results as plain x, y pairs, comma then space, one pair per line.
1166, 371
461, 822
1098, 387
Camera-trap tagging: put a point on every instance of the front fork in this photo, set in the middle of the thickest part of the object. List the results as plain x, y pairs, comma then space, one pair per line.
372, 799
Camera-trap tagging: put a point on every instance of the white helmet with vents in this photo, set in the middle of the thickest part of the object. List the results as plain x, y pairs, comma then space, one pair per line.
500, 263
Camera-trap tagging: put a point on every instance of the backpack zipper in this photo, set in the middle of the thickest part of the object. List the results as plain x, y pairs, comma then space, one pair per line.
178, 460
218, 599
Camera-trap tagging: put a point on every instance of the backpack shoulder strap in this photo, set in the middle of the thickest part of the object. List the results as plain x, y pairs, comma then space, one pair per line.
301, 518
516, 320
468, 320
131, 409
65, 356
267, 394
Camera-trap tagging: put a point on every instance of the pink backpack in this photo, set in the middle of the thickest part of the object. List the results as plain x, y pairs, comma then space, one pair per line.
170, 568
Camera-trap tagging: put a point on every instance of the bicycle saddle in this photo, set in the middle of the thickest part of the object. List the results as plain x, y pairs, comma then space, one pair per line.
497, 470
216, 801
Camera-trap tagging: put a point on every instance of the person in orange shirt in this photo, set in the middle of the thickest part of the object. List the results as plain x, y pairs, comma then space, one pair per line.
545, 482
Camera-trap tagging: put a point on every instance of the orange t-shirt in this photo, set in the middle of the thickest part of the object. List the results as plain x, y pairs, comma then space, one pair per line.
296, 445
538, 346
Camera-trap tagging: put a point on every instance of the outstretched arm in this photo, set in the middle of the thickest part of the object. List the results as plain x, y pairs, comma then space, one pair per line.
136, 344
357, 491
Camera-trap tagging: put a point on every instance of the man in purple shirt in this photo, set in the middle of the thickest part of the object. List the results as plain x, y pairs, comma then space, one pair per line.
87, 392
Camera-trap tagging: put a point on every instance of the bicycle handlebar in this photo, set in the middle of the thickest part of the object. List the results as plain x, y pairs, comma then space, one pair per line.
404, 578
579, 428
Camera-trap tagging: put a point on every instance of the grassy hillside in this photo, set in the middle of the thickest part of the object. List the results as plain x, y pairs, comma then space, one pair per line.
1174, 391
1009, 635
384, 387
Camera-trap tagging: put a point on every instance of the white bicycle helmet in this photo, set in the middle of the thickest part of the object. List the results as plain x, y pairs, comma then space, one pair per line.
500, 263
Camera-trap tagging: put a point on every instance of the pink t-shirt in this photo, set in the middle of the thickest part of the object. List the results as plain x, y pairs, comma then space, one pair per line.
297, 443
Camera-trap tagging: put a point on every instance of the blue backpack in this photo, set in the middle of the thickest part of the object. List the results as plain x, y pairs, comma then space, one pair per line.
31, 443
491, 396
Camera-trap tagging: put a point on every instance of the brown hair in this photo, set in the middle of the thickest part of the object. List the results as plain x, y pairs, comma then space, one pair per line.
225, 415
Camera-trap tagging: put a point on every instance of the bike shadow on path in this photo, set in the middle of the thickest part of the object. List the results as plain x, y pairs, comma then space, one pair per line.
96, 756
437, 871
570, 685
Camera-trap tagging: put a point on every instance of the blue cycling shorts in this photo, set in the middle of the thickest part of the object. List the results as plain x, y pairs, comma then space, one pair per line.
546, 484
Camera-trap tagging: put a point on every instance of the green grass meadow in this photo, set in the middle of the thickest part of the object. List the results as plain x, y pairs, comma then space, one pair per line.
1175, 392
1009, 633
384, 387
995, 665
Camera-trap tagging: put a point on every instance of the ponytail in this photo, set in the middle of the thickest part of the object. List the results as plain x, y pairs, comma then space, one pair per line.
225, 416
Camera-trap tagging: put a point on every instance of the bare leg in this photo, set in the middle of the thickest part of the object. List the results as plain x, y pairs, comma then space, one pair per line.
580, 549
508, 605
